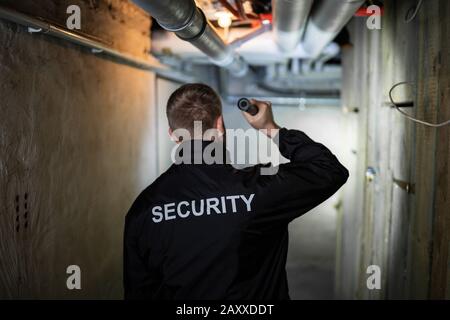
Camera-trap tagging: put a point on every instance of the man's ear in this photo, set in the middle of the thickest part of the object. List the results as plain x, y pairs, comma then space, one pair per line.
172, 137
220, 126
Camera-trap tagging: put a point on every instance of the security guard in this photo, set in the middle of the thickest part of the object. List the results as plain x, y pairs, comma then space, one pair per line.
209, 231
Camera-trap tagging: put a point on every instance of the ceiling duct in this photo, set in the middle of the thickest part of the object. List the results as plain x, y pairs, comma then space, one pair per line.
189, 23
328, 18
290, 18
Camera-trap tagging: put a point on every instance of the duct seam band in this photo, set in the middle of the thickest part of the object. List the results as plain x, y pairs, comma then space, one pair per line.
316, 39
234, 63
201, 32
288, 40
226, 61
189, 21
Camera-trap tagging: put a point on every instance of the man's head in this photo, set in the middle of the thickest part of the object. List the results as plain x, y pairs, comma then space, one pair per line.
194, 102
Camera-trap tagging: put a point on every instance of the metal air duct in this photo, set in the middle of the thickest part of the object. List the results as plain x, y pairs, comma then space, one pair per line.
190, 24
327, 19
290, 18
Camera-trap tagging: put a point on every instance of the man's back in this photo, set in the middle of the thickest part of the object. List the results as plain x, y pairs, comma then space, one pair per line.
213, 232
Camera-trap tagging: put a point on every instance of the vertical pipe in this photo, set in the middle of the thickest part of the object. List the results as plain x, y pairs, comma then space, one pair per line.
327, 19
290, 18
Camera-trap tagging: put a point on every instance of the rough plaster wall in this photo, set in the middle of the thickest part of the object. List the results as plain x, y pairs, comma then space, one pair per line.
405, 234
116, 22
76, 145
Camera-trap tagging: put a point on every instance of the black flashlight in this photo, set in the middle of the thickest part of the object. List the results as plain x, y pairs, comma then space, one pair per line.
245, 105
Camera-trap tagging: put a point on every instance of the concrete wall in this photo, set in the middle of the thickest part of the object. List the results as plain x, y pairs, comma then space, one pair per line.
77, 145
405, 233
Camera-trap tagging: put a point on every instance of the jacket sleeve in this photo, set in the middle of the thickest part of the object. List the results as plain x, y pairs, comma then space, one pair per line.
139, 281
312, 176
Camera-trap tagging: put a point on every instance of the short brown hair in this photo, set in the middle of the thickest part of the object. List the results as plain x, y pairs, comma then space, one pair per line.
193, 102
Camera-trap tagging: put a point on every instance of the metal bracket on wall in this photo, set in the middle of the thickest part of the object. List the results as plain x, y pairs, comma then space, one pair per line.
409, 187
398, 107
406, 104
34, 30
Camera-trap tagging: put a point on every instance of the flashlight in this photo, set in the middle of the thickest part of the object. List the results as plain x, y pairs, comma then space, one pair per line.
245, 105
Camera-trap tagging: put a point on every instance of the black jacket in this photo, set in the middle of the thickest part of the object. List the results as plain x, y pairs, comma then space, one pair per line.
213, 232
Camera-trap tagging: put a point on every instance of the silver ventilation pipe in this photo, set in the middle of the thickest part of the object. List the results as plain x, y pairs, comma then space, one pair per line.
290, 18
190, 24
327, 19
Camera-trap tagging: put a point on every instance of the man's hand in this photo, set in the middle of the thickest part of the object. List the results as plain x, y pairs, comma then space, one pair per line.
263, 120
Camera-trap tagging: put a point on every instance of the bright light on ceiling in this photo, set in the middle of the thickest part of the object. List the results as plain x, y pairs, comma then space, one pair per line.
224, 19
